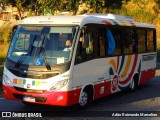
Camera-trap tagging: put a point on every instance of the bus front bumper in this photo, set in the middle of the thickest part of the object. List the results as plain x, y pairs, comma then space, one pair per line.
59, 98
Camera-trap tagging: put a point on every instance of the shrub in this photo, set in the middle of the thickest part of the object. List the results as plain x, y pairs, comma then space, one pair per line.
5, 32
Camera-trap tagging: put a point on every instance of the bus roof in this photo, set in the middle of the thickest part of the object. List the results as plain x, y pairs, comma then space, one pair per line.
109, 19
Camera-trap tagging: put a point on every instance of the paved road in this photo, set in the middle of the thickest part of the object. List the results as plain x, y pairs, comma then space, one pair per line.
145, 98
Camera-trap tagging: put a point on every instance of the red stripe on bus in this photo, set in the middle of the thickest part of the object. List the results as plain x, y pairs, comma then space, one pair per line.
59, 98
147, 75
107, 22
132, 71
98, 89
133, 24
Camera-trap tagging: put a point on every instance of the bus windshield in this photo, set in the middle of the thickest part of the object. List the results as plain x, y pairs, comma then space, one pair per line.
42, 45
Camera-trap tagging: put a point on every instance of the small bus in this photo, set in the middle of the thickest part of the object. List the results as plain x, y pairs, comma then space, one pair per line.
73, 60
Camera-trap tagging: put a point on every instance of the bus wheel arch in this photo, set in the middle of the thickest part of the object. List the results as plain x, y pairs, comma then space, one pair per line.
86, 96
134, 82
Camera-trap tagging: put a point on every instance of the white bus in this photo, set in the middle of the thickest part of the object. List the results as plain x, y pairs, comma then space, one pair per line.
68, 60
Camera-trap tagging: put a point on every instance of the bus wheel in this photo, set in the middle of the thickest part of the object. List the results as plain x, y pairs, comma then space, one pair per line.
134, 83
85, 99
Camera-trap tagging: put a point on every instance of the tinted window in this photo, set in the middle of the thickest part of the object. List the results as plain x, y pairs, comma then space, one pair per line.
141, 41
150, 42
85, 47
128, 41
117, 37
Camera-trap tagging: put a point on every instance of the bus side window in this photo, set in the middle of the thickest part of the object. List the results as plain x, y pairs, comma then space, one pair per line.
84, 48
80, 52
111, 42
141, 41
102, 51
150, 41
89, 47
101, 41
118, 43
128, 41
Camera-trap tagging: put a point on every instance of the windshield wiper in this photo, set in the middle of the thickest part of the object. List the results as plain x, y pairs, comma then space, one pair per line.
21, 59
41, 51
47, 65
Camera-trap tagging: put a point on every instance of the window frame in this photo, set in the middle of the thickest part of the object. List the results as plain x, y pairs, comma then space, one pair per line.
96, 46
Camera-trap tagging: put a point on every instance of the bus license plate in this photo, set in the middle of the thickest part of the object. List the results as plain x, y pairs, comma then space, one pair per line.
28, 99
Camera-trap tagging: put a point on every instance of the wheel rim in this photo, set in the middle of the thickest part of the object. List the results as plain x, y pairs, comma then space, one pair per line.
133, 84
83, 99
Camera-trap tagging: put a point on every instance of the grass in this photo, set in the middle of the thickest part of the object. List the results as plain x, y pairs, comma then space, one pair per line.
3, 53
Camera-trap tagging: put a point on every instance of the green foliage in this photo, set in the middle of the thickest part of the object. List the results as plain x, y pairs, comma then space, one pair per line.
96, 5
156, 8
42, 7
4, 49
144, 12
142, 16
5, 33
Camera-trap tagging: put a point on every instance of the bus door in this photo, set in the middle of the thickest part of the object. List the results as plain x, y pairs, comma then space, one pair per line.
83, 72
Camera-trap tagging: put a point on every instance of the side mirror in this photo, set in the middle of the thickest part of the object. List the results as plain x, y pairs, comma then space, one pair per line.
14, 30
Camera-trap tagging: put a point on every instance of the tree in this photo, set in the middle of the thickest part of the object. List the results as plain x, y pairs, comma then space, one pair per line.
60, 5
101, 6
69, 5
17, 3
156, 8
21, 5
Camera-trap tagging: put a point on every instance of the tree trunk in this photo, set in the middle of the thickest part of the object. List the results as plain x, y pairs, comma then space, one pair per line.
19, 13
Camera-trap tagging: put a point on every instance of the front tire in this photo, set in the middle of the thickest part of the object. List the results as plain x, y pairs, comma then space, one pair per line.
85, 99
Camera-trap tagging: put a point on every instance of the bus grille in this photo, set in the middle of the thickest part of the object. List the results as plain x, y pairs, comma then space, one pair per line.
29, 90
37, 99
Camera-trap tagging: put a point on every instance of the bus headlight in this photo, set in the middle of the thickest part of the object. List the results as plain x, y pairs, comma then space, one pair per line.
7, 81
58, 85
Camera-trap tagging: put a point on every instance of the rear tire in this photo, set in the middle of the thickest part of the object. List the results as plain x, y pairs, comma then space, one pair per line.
134, 83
